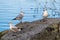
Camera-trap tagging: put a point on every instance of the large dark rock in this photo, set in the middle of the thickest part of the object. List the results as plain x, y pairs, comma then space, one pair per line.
30, 29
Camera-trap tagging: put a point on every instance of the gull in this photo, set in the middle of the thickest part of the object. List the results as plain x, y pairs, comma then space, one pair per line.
20, 16
45, 14
13, 27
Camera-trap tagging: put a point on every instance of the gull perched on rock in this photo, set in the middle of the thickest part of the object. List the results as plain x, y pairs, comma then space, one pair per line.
13, 27
20, 16
45, 14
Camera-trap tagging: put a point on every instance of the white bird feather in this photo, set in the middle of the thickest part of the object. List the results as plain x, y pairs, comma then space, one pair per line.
45, 14
13, 27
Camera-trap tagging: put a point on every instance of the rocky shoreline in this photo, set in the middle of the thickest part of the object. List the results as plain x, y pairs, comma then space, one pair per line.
30, 29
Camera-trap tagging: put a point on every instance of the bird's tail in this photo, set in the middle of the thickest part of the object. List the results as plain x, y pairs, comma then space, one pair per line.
14, 19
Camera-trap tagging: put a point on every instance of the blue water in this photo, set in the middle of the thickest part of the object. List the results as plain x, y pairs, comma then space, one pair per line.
9, 9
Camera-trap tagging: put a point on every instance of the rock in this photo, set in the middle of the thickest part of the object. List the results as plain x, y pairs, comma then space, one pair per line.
29, 31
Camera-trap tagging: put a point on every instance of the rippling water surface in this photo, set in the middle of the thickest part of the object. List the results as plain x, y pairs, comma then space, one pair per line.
9, 9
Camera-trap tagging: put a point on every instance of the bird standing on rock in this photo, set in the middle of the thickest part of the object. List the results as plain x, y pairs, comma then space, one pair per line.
13, 27
45, 15
20, 16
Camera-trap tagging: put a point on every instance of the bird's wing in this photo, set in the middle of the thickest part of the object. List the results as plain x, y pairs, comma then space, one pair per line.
19, 16
15, 29
12, 26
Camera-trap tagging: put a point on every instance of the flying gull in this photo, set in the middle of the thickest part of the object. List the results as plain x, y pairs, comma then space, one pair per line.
13, 27
20, 16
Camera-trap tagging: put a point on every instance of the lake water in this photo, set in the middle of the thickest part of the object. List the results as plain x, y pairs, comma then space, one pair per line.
9, 9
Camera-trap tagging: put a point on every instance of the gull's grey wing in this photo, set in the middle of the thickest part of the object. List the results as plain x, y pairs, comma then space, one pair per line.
19, 17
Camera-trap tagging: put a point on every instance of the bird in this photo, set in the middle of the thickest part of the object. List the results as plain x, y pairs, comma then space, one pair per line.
20, 16
45, 14
13, 27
